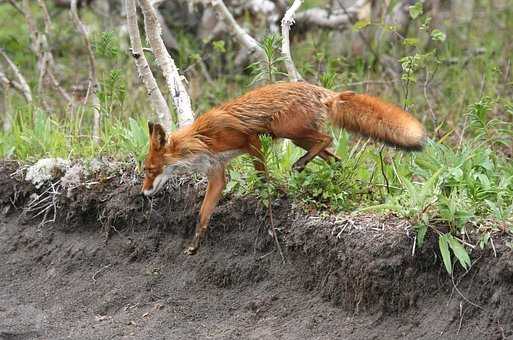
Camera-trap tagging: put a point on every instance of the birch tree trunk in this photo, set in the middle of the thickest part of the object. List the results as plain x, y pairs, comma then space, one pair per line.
286, 23
167, 65
157, 100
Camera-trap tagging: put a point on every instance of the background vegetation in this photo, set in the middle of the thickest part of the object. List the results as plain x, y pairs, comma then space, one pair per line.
453, 73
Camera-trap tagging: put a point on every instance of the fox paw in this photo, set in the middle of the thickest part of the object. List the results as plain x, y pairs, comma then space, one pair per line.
298, 167
191, 250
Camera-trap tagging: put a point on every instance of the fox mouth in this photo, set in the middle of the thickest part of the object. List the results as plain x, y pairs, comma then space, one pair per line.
158, 184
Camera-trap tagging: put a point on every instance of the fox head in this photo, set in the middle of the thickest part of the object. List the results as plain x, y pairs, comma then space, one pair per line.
155, 175
180, 152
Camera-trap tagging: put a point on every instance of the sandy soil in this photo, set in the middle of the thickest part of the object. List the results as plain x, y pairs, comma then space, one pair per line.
111, 266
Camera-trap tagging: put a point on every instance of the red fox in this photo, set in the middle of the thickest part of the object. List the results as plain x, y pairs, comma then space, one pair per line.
296, 111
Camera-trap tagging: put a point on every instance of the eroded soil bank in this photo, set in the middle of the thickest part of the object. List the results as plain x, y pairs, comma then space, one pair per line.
111, 266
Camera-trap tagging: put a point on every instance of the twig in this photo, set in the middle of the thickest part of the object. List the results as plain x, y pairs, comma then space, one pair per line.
374, 82
286, 23
167, 65
275, 235
464, 297
16, 6
360, 33
383, 168
46, 16
101, 269
461, 318
39, 45
21, 85
242, 36
92, 87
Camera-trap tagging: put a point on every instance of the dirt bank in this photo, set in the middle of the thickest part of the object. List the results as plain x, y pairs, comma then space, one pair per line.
111, 266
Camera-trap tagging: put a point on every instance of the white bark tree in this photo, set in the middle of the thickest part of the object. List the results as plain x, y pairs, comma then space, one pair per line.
286, 23
157, 100
174, 82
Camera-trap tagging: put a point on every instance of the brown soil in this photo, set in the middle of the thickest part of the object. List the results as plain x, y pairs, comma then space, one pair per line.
111, 266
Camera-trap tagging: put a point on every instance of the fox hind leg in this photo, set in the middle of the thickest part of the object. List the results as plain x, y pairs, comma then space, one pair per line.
255, 150
316, 142
327, 154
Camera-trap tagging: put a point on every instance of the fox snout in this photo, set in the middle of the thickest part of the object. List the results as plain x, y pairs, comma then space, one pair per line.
148, 187
152, 185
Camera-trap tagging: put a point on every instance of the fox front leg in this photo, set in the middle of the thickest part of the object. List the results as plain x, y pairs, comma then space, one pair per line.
216, 184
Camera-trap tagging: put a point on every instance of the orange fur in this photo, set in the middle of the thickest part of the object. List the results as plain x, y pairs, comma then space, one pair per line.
297, 111
373, 117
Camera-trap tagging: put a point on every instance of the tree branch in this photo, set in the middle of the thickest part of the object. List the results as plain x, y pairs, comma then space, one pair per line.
286, 23
167, 65
21, 85
242, 36
323, 18
16, 6
93, 83
157, 100
39, 45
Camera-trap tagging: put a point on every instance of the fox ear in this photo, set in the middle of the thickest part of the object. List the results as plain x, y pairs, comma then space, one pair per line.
150, 127
346, 95
327, 102
158, 135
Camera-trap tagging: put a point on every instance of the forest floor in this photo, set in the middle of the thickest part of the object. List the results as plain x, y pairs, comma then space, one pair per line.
111, 266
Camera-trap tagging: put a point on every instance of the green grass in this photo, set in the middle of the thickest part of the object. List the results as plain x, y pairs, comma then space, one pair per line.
460, 187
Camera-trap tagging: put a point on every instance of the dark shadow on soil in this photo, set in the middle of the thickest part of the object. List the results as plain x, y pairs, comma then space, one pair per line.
111, 266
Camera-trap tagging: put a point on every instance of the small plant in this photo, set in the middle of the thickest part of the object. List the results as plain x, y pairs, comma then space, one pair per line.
267, 71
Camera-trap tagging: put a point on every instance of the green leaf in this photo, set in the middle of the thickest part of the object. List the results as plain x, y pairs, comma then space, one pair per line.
444, 250
425, 25
416, 10
438, 35
219, 46
484, 240
421, 234
390, 28
360, 24
460, 252
410, 41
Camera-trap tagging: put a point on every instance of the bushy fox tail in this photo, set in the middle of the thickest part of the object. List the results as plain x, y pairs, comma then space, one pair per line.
375, 118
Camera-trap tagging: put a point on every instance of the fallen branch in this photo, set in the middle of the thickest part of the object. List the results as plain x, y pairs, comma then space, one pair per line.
21, 85
242, 36
157, 100
92, 88
167, 65
286, 23
323, 18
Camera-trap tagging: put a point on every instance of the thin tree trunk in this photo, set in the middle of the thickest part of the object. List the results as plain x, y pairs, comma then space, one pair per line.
157, 100
286, 23
167, 65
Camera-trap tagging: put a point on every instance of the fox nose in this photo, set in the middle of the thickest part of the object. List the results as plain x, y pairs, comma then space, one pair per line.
147, 191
